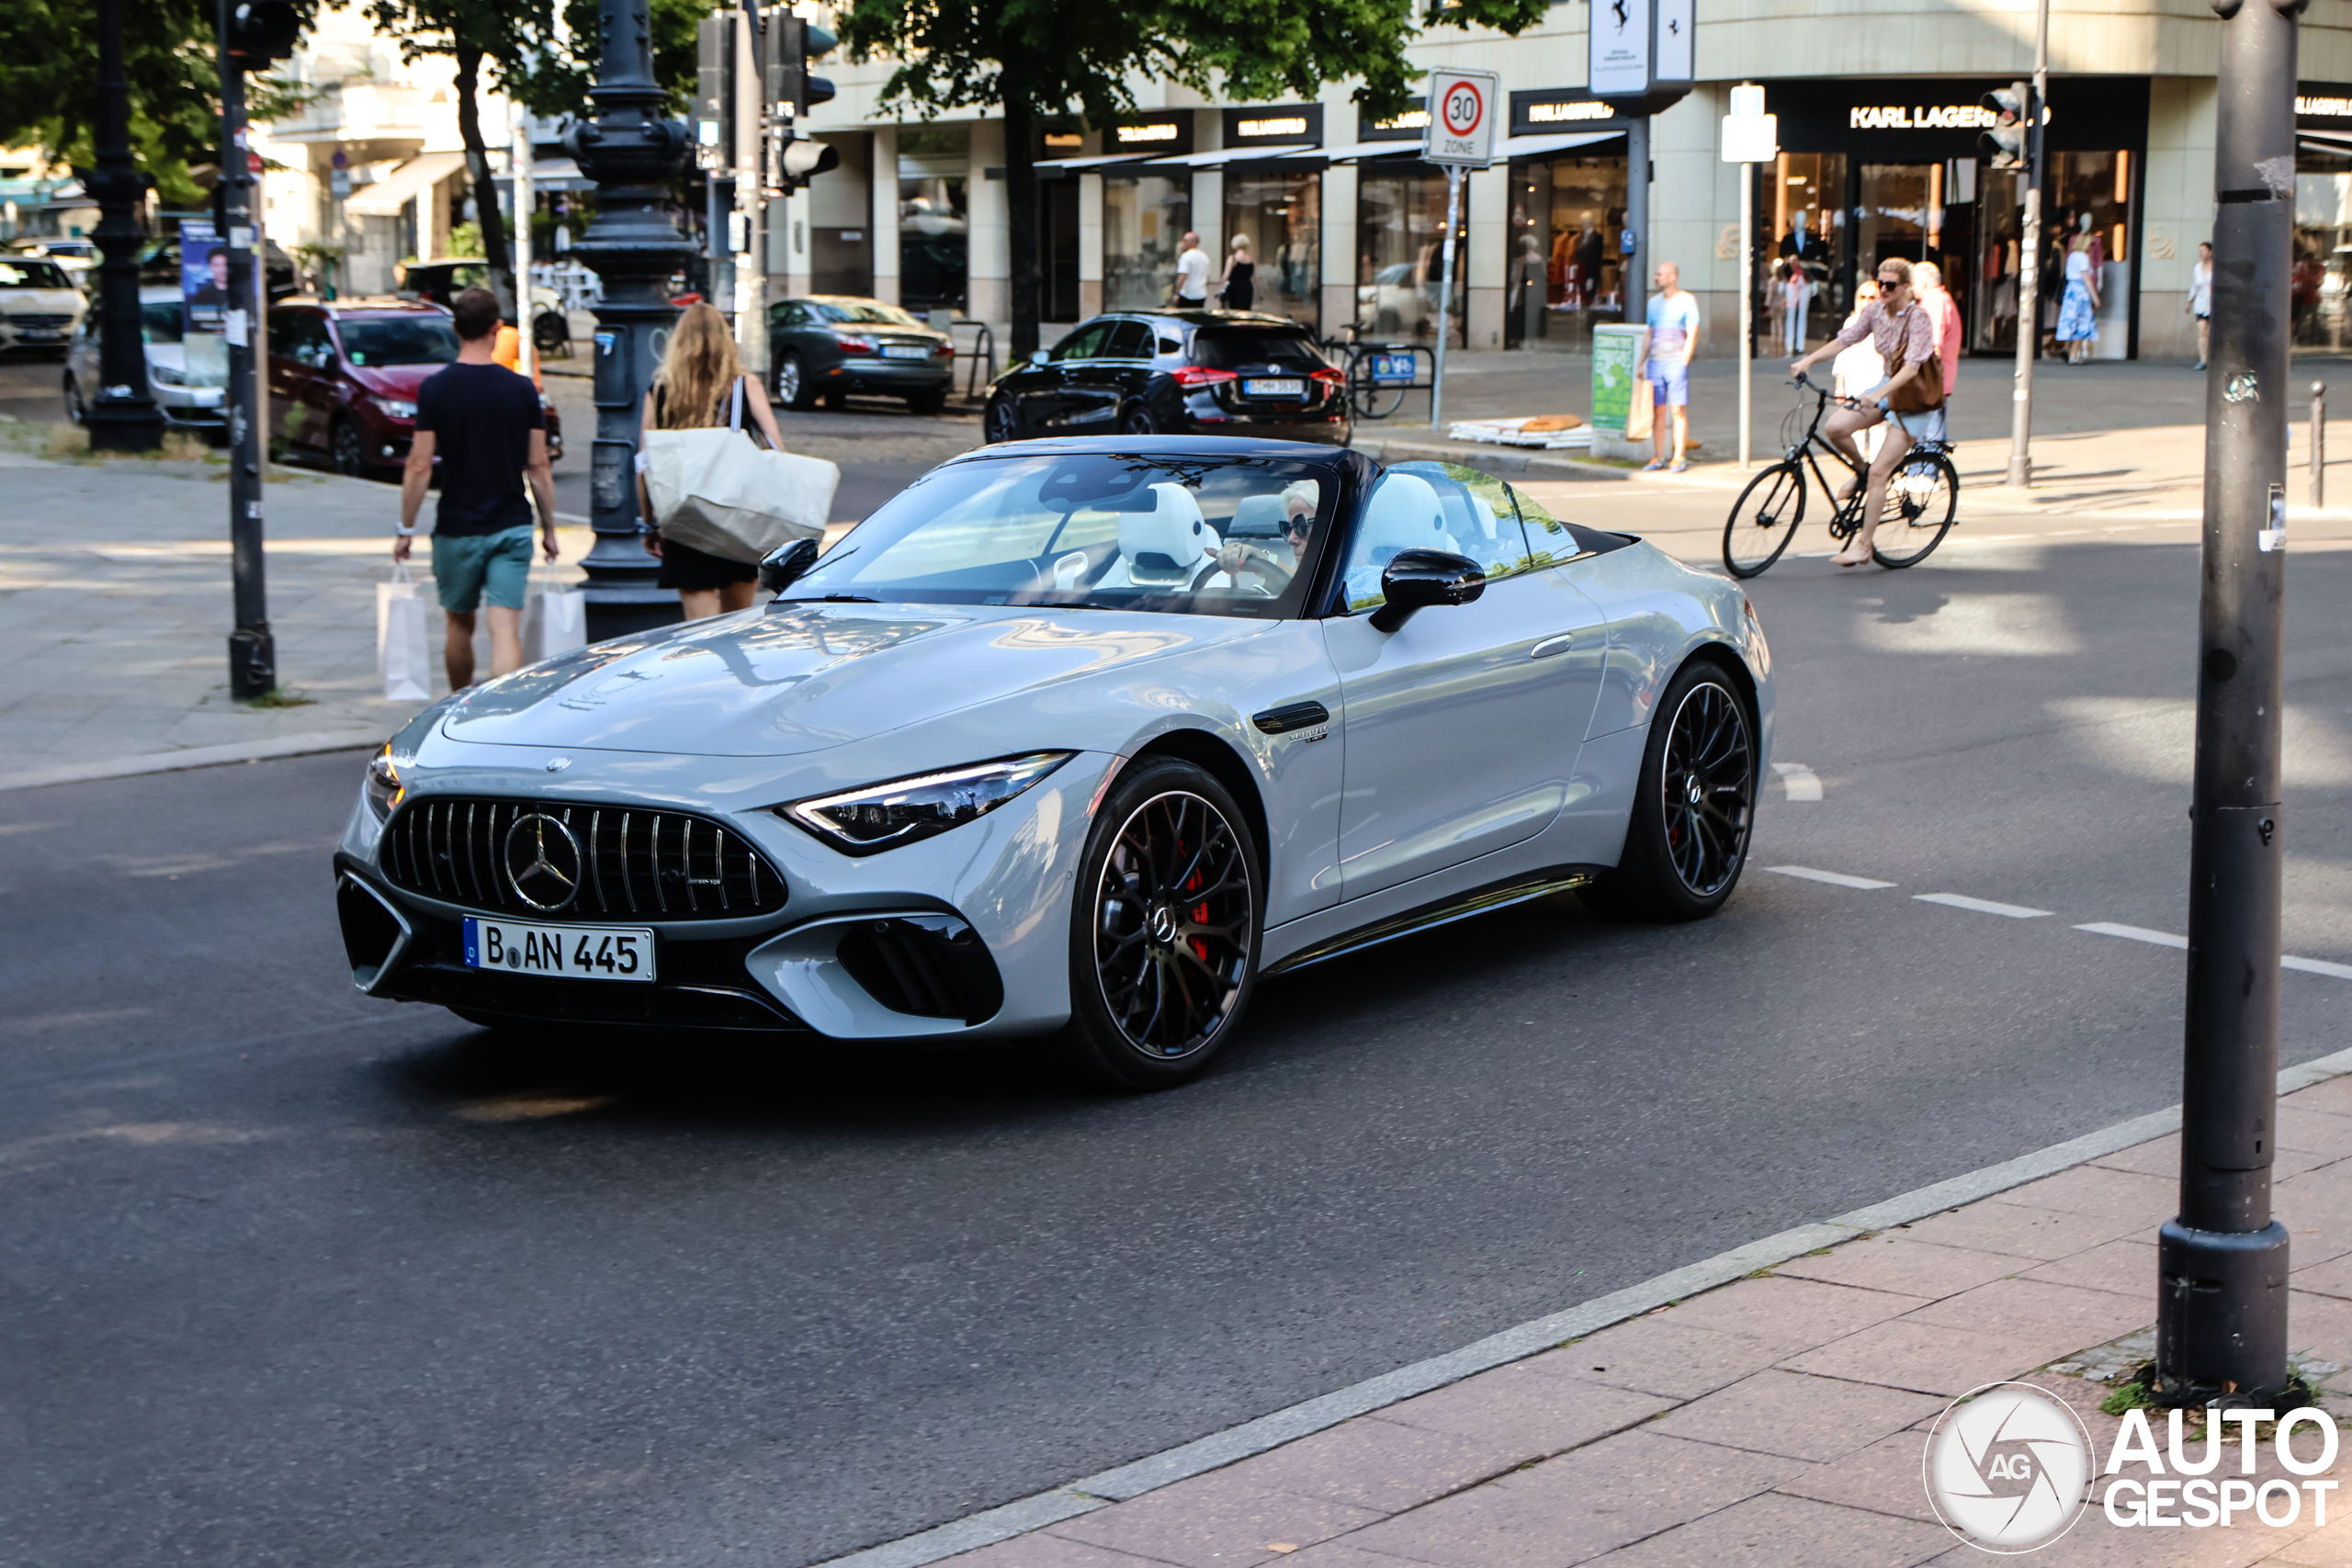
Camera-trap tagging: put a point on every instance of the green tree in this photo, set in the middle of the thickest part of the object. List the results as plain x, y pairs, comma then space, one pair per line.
1045, 57
553, 80
49, 86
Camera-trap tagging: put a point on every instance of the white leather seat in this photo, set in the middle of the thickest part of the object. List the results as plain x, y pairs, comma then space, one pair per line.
1166, 547
1403, 514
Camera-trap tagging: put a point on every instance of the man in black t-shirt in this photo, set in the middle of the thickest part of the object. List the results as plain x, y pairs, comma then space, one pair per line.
484, 424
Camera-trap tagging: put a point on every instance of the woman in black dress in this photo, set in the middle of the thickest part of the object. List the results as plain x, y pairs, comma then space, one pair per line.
701, 386
1240, 277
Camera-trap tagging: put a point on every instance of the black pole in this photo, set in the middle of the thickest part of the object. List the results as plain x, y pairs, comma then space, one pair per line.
253, 655
2221, 1311
631, 150
123, 418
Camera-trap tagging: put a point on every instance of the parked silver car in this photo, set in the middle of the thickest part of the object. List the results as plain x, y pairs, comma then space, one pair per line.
186, 375
1076, 738
39, 306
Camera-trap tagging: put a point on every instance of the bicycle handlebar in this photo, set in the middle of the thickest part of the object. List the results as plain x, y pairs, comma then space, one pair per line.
1810, 385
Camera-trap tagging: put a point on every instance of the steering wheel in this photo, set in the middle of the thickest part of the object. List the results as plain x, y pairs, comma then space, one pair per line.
1273, 579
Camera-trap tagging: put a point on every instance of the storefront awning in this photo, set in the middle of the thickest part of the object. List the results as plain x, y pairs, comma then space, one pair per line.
551, 175
1224, 155
1559, 141
388, 195
1087, 165
1356, 151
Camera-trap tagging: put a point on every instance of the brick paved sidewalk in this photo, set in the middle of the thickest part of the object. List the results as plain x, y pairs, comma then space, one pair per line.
1780, 1420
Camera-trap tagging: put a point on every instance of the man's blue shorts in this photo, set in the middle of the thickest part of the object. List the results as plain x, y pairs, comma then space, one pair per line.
470, 568
1669, 383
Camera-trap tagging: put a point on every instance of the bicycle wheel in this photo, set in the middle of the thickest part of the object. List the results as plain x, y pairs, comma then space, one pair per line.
1369, 398
1764, 519
1921, 497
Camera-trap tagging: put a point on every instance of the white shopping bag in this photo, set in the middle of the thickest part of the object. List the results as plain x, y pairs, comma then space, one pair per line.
402, 655
555, 618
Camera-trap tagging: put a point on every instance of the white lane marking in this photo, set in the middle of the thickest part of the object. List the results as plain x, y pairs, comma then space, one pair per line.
1835, 878
2317, 967
1982, 905
2135, 933
1801, 782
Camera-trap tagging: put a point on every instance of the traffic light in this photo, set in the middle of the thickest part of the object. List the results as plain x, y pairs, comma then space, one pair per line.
715, 92
260, 31
797, 41
2005, 144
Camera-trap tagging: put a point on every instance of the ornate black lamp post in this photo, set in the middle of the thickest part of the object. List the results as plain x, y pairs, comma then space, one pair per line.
631, 150
123, 418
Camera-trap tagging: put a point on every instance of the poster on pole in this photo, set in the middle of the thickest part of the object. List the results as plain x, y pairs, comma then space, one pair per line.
1464, 105
204, 276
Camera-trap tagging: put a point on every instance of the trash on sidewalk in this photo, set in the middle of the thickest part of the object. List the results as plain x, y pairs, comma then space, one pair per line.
1552, 432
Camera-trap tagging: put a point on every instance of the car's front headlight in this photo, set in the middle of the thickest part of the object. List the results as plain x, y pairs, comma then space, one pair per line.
164, 375
398, 408
384, 787
883, 816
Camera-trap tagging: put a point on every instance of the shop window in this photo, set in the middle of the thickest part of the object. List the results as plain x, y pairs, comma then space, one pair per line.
2321, 278
1144, 219
1400, 222
933, 227
1282, 217
1566, 272
1807, 203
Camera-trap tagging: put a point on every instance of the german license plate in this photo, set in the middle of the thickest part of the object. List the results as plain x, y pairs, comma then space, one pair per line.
905, 351
1278, 386
565, 952
1392, 367
42, 334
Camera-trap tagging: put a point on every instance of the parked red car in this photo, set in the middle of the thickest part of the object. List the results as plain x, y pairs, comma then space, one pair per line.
342, 379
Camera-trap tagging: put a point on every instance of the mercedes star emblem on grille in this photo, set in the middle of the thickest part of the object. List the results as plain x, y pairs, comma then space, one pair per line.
543, 862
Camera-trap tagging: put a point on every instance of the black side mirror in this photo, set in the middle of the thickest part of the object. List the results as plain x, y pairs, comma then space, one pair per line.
1419, 580
786, 567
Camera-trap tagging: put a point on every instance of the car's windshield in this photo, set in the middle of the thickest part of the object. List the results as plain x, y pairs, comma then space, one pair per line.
1207, 536
861, 311
1247, 348
159, 320
397, 340
32, 275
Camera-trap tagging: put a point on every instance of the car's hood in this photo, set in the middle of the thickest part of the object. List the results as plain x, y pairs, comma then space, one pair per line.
806, 677
41, 302
393, 380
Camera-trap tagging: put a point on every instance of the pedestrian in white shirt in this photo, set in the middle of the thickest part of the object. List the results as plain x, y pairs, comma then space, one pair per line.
2199, 302
1192, 292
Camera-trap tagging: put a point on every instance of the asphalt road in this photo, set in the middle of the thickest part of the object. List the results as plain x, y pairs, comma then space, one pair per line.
288, 1277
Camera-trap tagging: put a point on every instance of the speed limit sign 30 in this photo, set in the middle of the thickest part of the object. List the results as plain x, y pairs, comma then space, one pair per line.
1462, 109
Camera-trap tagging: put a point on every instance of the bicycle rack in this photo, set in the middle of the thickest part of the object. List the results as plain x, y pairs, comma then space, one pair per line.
1352, 349
983, 350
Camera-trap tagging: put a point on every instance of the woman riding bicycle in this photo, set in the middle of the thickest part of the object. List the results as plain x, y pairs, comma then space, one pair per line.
1899, 328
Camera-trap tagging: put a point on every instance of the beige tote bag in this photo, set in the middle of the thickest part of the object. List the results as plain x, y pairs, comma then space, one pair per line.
716, 492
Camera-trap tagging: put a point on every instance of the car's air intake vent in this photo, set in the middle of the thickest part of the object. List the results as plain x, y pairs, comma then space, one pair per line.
928, 965
549, 861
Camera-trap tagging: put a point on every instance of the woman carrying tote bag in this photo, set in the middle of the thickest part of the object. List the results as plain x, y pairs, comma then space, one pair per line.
701, 386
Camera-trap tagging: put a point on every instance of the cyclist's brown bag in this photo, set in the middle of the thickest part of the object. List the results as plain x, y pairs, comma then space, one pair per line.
1924, 393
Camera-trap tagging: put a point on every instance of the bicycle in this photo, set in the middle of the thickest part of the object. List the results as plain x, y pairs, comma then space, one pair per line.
1922, 495
1378, 374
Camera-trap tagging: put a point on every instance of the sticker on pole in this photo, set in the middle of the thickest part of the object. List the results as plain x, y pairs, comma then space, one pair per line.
1462, 118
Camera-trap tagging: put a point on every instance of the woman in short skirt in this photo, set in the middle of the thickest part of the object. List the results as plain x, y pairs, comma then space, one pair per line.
696, 390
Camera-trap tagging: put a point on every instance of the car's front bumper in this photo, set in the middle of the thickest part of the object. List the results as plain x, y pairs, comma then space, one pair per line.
824, 964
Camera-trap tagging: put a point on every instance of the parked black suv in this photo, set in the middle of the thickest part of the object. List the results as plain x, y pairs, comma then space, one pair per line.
1175, 372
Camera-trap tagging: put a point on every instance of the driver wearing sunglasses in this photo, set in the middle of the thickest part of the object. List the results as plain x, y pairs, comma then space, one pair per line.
1300, 501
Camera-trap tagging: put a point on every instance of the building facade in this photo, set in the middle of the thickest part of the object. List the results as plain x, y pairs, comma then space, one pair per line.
1882, 153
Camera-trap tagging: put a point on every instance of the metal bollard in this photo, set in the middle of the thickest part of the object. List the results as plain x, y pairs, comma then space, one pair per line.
2318, 444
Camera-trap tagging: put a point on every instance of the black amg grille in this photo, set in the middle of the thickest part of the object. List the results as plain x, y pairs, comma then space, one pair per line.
28, 322
634, 862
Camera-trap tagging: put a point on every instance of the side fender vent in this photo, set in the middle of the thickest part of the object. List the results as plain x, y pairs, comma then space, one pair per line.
928, 965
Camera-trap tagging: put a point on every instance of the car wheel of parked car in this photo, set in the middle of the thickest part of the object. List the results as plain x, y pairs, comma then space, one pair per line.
1695, 807
791, 382
1164, 930
1140, 423
76, 409
550, 331
927, 402
996, 422
350, 449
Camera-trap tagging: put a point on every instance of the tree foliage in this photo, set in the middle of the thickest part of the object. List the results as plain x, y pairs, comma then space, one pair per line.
49, 86
1036, 58
554, 80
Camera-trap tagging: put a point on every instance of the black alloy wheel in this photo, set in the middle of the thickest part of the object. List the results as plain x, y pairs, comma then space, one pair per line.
791, 382
1687, 840
1140, 423
996, 422
1164, 931
1764, 519
349, 447
927, 402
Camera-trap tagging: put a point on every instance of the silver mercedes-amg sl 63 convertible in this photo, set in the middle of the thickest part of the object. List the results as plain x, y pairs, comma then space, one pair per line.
1073, 739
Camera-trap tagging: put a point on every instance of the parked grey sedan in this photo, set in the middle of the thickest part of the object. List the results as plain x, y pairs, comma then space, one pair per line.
822, 347
1077, 738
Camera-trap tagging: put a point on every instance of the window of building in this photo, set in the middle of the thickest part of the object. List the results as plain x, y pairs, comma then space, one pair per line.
1400, 222
934, 165
1144, 219
2322, 267
1282, 217
1566, 273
